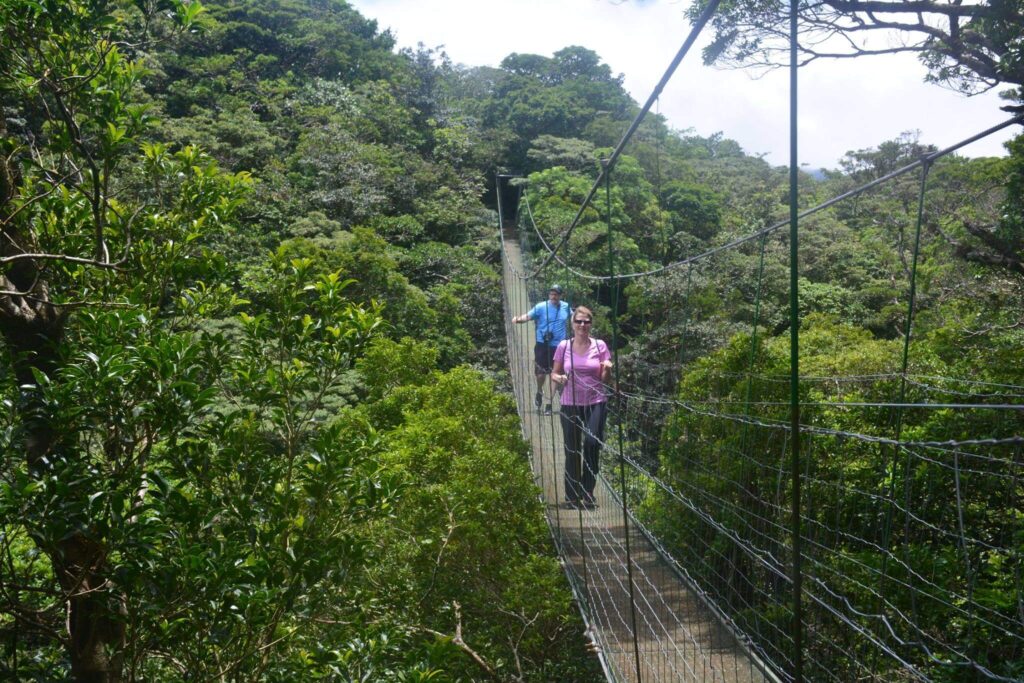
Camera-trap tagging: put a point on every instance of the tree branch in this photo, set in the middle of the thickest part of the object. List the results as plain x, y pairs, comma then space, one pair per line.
914, 7
1004, 253
452, 526
862, 53
462, 645
4, 260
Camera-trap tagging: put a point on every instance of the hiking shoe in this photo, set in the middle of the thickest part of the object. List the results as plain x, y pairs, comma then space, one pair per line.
537, 400
547, 409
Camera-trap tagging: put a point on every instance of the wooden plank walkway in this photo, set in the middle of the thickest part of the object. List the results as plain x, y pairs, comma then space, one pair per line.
678, 637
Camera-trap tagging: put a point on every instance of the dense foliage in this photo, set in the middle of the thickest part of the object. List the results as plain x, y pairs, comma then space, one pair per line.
251, 414
223, 456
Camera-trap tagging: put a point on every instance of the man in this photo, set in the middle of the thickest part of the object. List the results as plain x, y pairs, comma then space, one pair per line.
551, 316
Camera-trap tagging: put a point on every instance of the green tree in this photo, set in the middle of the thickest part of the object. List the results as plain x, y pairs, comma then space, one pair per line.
996, 242
557, 96
88, 223
721, 451
365, 258
555, 195
865, 165
255, 520
463, 547
571, 153
693, 209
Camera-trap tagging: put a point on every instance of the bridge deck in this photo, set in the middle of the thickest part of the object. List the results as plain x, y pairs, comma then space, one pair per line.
678, 637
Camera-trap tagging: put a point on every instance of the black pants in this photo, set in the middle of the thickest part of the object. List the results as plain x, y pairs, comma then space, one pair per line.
582, 432
543, 358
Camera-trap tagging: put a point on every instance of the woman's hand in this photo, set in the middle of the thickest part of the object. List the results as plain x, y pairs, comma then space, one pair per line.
559, 379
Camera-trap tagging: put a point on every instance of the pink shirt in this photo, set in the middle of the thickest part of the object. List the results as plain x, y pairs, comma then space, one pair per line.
584, 387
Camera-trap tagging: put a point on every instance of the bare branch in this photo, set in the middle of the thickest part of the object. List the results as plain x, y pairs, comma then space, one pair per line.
958, 49
914, 7
863, 53
462, 645
515, 643
452, 526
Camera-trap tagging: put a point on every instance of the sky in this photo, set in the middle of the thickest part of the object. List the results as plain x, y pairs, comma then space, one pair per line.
845, 105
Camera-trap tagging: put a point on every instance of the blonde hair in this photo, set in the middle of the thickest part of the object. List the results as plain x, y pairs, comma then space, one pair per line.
582, 310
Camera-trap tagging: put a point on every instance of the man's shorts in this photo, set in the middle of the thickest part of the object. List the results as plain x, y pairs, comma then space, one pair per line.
543, 358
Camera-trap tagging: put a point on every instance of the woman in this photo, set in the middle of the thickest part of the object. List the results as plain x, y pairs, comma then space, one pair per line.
582, 366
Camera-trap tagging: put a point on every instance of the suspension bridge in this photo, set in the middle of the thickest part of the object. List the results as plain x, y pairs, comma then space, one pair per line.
781, 526
674, 634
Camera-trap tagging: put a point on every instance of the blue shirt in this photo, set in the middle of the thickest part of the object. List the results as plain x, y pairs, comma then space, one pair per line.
550, 319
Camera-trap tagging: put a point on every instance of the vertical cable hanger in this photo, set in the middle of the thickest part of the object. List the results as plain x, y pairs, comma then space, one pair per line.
618, 401
794, 351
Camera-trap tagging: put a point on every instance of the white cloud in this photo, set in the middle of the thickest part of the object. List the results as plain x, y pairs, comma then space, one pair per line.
844, 105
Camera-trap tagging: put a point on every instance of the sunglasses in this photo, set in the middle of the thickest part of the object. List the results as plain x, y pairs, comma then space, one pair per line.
582, 322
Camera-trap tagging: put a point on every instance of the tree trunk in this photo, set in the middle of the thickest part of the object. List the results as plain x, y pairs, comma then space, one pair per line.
97, 632
33, 329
